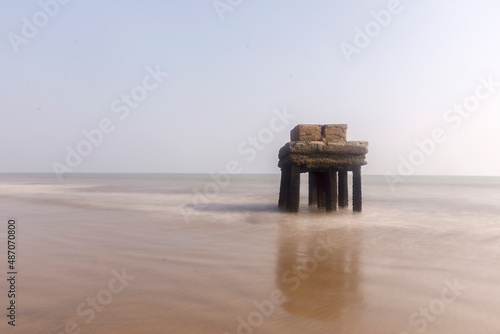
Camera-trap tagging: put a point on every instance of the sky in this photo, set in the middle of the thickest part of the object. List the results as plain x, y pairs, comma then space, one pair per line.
198, 86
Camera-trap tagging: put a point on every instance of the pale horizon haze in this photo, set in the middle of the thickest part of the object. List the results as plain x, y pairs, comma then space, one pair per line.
189, 86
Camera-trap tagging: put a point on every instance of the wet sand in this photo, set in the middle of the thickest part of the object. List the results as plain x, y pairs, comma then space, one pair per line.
243, 267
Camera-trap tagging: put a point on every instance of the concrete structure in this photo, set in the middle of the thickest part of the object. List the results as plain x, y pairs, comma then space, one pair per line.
323, 152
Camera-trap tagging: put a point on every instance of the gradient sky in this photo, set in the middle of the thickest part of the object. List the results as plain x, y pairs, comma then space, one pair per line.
227, 77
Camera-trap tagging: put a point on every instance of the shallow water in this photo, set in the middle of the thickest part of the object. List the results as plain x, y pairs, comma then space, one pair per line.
203, 259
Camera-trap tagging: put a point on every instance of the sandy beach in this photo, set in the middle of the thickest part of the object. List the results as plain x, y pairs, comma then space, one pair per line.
241, 266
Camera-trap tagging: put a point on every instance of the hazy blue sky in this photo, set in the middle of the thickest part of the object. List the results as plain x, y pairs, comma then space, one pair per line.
232, 65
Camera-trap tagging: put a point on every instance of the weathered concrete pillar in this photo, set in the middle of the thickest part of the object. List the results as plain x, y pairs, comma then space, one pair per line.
313, 188
322, 180
293, 197
331, 190
343, 189
284, 186
356, 189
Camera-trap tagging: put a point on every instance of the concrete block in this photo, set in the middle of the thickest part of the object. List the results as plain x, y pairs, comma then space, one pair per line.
306, 132
334, 132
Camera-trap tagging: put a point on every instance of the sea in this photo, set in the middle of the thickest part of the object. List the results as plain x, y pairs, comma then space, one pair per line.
181, 253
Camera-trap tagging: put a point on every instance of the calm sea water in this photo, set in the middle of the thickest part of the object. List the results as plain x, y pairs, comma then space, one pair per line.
188, 254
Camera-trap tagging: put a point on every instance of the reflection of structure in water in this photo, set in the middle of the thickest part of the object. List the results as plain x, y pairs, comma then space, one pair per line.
318, 272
